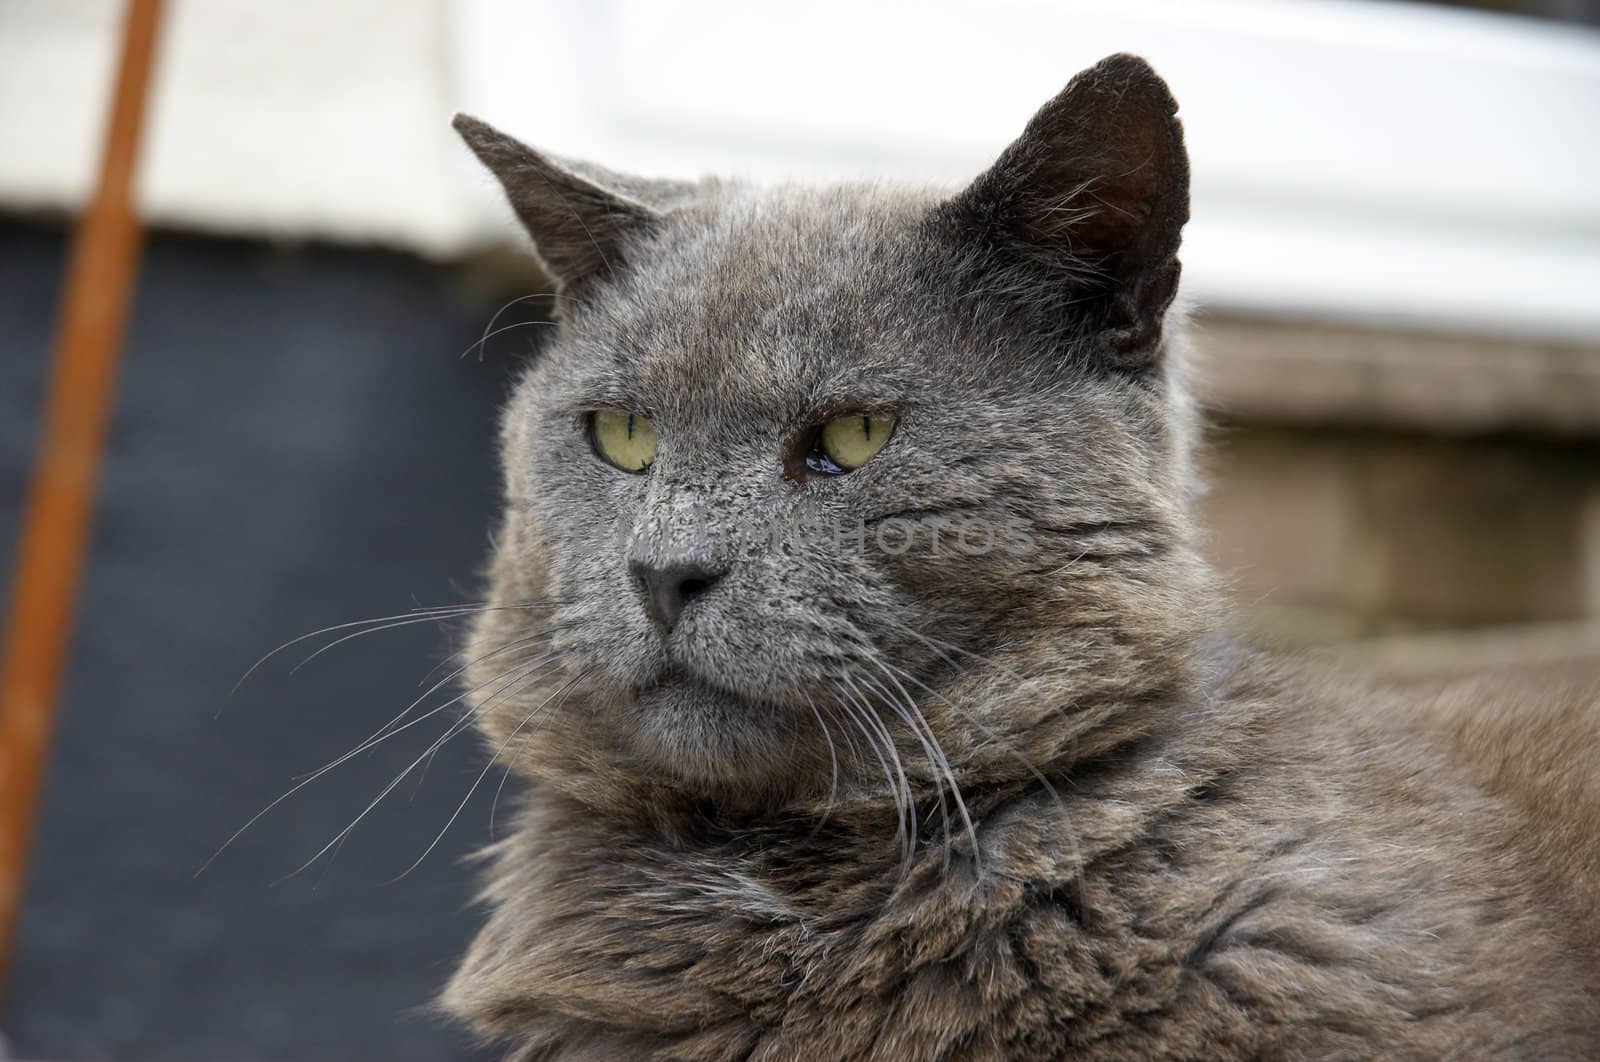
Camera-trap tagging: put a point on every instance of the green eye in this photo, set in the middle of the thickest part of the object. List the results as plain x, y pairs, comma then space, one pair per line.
847, 443
625, 440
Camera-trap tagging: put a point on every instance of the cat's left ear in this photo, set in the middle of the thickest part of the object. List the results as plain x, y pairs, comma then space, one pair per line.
1089, 204
583, 218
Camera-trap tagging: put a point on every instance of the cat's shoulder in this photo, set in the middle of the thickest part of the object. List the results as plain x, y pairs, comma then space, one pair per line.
1534, 746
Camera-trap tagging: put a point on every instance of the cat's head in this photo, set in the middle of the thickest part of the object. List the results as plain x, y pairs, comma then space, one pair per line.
813, 480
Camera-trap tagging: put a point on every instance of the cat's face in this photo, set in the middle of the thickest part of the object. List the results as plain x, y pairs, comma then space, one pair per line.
795, 456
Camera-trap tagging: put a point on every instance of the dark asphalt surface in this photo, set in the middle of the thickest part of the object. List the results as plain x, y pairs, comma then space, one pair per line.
296, 444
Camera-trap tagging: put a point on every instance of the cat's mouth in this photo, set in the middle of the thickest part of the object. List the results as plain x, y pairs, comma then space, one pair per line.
680, 682
678, 691
708, 735
669, 676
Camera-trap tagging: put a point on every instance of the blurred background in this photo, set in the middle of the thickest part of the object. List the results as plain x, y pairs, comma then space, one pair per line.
1395, 259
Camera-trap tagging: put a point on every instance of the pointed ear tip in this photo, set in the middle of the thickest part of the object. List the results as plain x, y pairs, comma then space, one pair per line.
1130, 69
1127, 62
479, 135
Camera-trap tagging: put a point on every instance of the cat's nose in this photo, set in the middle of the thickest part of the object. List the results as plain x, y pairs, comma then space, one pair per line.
670, 589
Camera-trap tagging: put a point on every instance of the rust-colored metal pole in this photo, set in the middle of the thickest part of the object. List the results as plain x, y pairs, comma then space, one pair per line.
60, 506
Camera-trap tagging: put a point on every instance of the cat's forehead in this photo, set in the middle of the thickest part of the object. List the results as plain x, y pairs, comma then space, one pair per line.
767, 301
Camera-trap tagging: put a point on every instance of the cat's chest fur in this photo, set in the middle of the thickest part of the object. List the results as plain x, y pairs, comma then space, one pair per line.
1152, 913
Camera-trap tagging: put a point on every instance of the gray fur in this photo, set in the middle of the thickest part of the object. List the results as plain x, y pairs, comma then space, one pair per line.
1013, 804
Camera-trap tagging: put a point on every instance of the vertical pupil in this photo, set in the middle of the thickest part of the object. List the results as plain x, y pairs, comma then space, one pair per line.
866, 428
630, 425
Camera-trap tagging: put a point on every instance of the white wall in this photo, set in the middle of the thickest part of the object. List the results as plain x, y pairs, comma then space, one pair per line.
286, 117
1379, 162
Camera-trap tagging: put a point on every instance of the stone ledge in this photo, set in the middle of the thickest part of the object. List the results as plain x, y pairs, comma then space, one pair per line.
1309, 372
1545, 652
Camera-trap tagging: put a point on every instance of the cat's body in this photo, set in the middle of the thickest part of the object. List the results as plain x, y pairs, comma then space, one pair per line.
1161, 847
1318, 884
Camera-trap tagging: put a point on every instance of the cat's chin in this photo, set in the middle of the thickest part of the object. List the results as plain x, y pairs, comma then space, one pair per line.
712, 739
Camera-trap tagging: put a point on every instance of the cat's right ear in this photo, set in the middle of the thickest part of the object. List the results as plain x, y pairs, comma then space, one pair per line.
581, 217
1085, 210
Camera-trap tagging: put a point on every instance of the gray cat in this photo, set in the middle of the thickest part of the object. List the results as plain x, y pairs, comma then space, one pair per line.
872, 698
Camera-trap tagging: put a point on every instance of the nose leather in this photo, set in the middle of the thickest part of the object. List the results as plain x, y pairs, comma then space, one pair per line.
670, 589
